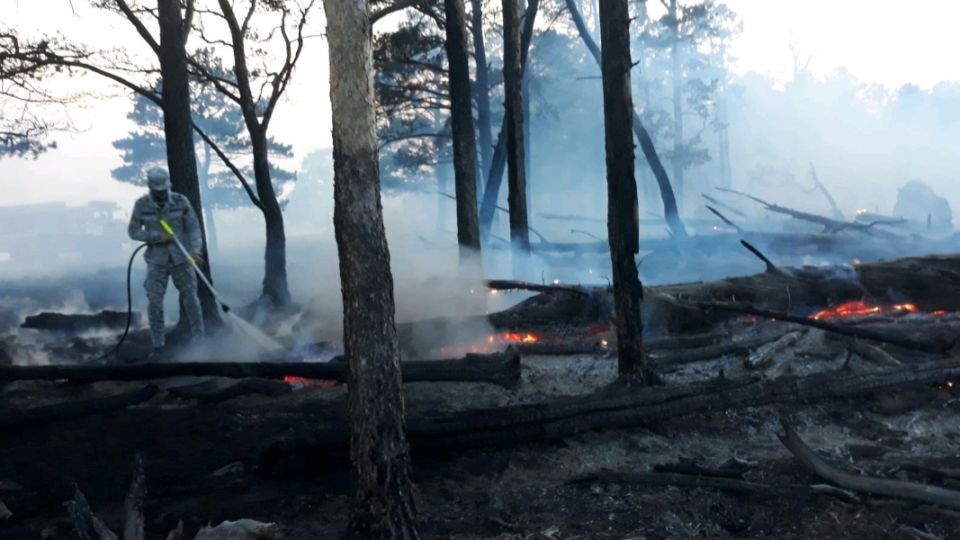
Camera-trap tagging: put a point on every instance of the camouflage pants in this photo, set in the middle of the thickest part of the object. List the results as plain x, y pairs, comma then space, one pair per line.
185, 280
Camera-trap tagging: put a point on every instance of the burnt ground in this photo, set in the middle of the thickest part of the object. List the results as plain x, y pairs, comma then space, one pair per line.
517, 494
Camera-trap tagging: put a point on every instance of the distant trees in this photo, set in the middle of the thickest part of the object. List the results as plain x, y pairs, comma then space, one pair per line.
383, 503
683, 74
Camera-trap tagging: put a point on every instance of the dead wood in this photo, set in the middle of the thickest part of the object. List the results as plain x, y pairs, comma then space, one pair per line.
764, 355
213, 392
720, 204
433, 434
500, 368
509, 285
735, 485
712, 352
71, 409
897, 489
929, 346
872, 353
133, 520
837, 213
758, 254
724, 218
930, 283
86, 525
560, 349
830, 226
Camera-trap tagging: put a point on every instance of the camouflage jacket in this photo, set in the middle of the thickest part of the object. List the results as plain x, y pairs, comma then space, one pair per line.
177, 211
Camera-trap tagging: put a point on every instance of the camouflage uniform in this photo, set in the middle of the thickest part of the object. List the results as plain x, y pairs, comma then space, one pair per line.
166, 260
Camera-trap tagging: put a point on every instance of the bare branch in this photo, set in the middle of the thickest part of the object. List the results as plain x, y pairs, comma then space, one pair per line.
138, 24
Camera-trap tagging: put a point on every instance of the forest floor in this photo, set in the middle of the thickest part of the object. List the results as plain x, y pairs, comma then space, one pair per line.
204, 463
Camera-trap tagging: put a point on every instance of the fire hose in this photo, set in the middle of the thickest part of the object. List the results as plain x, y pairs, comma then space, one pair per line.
126, 329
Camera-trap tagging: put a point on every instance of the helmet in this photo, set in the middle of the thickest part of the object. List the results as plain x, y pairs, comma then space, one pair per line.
158, 179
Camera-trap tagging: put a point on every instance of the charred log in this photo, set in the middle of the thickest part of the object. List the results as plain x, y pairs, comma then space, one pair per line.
432, 435
502, 368
68, 410
899, 489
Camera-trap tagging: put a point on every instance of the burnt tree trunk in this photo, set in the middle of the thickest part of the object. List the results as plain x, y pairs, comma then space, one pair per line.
213, 242
178, 127
275, 252
623, 228
488, 205
383, 504
482, 89
513, 114
670, 211
464, 139
674, 22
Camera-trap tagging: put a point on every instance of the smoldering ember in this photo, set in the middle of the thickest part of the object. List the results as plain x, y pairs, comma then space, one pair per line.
507, 269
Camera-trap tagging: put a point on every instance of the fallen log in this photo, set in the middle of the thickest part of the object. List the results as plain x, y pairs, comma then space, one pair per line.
795, 491
830, 226
433, 434
79, 322
500, 368
898, 489
710, 352
68, 410
924, 345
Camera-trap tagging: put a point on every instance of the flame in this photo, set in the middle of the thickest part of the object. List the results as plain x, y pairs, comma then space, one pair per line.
860, 309
514, 337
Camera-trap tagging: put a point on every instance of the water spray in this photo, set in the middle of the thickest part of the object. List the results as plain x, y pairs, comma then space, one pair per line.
250, 330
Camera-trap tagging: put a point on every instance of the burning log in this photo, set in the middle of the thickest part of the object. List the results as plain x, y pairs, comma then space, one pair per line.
500, 368
512, 426
71, 409
510, 285
924, 345
898, 489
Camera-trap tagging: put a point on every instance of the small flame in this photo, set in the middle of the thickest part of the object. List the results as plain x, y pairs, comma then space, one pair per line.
513, 337
860, 309
303, 382
856, 261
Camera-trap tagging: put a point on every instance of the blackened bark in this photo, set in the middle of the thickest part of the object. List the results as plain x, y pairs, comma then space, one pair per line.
622, 219
178, 127
275, 252
275, 286
674, 23
670, 211
464, 139
482, 88
213, 243
383, 504
513, 121
488, 205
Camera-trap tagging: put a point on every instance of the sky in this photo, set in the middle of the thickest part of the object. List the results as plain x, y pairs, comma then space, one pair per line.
887, 42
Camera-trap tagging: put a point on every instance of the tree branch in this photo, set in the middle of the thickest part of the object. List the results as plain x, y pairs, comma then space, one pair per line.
230, 165
138, 24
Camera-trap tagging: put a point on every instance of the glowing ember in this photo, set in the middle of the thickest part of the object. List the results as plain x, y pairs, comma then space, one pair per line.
303, 382
513, 337
860, 309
